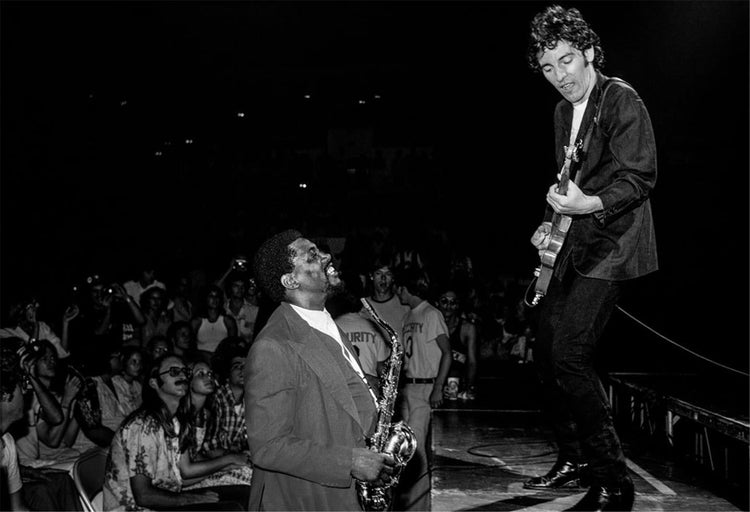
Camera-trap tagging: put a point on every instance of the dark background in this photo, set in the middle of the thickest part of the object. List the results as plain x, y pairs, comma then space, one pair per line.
92, 90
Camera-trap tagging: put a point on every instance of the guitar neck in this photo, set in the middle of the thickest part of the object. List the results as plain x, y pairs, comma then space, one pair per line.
562, 186
571, 153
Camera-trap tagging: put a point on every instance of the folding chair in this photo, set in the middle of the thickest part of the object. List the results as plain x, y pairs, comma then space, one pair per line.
88, 475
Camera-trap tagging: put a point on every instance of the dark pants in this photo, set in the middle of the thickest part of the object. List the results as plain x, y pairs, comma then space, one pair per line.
572, 318
54, 490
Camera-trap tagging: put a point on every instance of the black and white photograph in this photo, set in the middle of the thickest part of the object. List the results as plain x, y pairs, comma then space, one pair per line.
375, 255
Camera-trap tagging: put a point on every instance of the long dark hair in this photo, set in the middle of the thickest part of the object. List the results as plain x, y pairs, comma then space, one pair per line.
195, 417
154, 407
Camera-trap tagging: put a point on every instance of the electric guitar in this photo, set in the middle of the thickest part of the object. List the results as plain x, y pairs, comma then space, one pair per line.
558, 232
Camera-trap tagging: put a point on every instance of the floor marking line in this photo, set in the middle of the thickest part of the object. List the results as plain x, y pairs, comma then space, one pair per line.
655, 482
501, 463
556, 504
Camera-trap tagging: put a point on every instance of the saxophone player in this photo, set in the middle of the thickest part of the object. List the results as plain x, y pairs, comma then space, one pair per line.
308, 406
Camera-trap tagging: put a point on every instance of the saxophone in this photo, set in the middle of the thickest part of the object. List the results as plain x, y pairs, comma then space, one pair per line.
396, 440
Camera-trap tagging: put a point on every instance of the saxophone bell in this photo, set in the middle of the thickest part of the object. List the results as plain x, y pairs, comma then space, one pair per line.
401, 445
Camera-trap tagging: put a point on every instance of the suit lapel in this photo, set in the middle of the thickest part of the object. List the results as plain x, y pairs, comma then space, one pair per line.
588, 118
309, 344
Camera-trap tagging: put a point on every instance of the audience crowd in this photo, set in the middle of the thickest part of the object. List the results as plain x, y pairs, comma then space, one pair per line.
153, 372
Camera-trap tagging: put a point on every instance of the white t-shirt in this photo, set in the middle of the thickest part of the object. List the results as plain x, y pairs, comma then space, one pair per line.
578, 111
391, 311
9, 461
364, 336
32, 451
422, 354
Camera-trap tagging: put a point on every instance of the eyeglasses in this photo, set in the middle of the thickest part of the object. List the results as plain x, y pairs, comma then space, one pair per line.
204, 373
176, 371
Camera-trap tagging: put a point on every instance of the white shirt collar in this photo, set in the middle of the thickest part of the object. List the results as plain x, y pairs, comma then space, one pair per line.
319, 320
322, 321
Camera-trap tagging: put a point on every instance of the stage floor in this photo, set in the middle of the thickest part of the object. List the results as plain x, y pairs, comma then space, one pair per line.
482, 456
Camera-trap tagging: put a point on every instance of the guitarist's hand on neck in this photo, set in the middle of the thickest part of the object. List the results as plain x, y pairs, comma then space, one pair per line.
574, 202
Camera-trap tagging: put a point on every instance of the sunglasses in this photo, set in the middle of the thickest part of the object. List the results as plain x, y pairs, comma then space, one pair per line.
176, 371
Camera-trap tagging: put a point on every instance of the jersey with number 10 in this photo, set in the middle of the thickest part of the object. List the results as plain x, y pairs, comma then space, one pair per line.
422, 355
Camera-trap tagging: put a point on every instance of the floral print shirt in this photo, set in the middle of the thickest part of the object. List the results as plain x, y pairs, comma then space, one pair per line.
130, 395
140, 447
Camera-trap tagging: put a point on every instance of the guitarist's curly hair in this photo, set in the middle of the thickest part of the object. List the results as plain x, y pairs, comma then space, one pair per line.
556, 24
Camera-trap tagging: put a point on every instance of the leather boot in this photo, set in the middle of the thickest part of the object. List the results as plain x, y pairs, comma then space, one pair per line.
563, 475
601, 498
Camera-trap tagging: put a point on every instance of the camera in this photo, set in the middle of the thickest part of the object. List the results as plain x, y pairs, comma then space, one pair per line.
240, 264
32, 347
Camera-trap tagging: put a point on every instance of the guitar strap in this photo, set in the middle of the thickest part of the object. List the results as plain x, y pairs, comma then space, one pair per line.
595, 121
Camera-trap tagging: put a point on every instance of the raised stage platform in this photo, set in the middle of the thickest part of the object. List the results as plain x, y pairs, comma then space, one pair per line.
485, 450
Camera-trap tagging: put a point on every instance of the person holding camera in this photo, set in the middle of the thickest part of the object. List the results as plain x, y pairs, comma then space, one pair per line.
50, 413
238, 307
108, 319
25, 325
237, 264
146, 280
25, 488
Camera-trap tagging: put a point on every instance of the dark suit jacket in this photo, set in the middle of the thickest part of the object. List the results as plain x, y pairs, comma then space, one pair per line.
302, 421
618, 242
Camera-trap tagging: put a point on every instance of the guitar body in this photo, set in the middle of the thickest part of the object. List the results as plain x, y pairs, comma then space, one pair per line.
561, 223
559, 230
560, 227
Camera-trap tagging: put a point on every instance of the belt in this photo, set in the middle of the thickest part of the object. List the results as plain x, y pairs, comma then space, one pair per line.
419, 381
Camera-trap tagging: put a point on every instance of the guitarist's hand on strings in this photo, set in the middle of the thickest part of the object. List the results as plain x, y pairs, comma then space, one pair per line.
575, 202
540, 238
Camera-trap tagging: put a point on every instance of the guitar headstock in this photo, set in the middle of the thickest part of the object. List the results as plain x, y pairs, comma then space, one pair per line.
572, 154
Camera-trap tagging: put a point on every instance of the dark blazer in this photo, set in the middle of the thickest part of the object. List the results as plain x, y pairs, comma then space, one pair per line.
618, 242
302, 421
